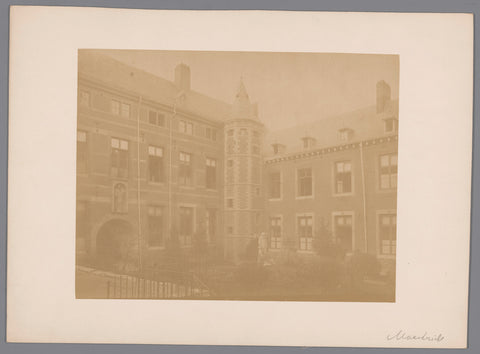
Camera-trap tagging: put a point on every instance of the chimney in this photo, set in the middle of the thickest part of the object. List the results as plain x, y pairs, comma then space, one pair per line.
182, 77
278, 149
383, 96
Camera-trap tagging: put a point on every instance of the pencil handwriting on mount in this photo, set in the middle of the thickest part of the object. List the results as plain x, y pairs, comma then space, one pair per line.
403, 335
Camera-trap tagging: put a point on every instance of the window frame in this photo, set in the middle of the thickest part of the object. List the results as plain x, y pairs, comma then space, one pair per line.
127, 157
208, 166
161, 157
310, 240
379, 214
184, 237
297, 183
390, 174
394, 122
280, 187
335, 175
160, 207
351, 214
182, 167
278, 237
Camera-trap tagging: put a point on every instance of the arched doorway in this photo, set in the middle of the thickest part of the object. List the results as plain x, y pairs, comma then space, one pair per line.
114, 246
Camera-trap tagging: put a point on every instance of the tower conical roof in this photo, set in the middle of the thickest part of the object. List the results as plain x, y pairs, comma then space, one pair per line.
242, 108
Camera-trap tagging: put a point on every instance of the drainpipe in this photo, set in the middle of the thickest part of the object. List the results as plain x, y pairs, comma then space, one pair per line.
138, 187
170, 210
364, 199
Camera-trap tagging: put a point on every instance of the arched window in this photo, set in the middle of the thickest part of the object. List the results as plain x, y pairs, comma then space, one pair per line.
119, 198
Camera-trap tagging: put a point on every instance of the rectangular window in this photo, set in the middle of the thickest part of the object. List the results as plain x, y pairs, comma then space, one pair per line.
230, 163
152, 117
388, 171
275, 232
275, 185
119, 158
344, 231
156, 118
211, 173
155, 164
255, 149
189, 128
343, 177
305, 232
388, 234
230, 132
82, 151
185, 169
186, 226
229, 203
304, 177
185, 127
85, 98
115, 107
181, 126
211, 134
211, 226
125, 110
391, 125
155, 226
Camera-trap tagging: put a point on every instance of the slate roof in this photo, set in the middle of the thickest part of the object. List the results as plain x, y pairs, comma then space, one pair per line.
364, 123
100, 67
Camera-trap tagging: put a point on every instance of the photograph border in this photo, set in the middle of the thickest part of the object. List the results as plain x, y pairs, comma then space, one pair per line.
432, 6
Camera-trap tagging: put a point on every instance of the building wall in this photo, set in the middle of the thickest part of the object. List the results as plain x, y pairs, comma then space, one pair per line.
95, 185
242, 176
364, 203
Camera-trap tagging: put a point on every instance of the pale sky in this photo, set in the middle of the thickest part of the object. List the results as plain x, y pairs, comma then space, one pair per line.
290, 88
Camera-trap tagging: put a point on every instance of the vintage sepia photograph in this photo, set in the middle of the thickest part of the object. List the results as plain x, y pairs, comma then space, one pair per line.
258, 176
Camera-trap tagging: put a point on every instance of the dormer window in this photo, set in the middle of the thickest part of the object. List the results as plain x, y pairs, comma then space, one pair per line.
390, 125
308, 142
278, 149
345, 134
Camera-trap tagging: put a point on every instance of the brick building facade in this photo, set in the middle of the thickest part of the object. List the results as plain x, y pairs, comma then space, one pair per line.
157, 161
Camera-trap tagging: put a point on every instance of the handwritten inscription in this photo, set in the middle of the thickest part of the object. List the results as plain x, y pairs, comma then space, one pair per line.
402, 335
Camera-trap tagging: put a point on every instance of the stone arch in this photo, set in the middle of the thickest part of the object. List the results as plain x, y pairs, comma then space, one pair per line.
115, 244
